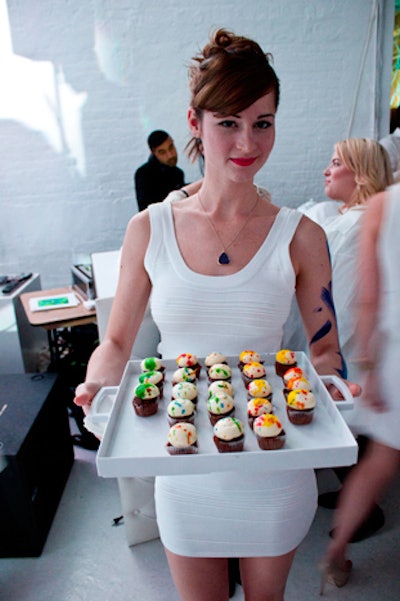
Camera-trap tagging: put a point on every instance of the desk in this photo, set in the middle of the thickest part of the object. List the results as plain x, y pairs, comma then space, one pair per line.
55, 319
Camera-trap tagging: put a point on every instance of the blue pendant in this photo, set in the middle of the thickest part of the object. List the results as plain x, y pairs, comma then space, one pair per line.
223, 259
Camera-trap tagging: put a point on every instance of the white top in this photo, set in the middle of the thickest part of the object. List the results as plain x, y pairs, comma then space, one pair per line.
197, 313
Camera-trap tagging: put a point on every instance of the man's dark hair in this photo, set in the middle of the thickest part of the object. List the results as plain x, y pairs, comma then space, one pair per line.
156, 138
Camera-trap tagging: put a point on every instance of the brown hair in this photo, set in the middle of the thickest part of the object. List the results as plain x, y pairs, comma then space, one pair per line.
227, 76
369, 162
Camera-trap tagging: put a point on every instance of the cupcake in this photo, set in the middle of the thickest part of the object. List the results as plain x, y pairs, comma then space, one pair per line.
182, 439
229, 435
256, 407
297, 384
283, 360
219, 371
248, 357
220, 406
152, 364
180, 410
221, 386
214, 358
293, 372
253, 371
153, 377
145, 400
185, 390
184, 374
300, 406
269, 432
259, 388
189, 360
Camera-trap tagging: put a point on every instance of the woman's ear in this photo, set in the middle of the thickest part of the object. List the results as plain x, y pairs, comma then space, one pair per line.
194, 123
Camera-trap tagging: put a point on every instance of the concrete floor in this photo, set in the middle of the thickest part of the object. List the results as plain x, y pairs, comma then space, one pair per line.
86, 557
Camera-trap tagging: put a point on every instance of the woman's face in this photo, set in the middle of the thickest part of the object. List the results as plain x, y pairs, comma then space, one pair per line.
237, 145
339, 180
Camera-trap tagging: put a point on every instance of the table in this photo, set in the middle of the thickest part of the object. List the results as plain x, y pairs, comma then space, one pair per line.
55, 319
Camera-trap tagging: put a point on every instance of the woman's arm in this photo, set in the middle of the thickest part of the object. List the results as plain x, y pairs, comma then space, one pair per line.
310, 258
108, 361
369, 279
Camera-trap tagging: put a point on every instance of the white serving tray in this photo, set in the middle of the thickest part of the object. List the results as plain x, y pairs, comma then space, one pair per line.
135, 446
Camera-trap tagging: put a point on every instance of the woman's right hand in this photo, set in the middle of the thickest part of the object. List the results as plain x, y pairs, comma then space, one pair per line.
85, 393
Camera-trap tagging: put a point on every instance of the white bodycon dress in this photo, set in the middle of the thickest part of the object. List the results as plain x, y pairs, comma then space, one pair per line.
229, 514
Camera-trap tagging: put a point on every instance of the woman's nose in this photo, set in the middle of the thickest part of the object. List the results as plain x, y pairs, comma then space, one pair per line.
245, 141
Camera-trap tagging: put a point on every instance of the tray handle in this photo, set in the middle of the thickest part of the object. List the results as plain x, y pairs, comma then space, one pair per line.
348, 401
95, 414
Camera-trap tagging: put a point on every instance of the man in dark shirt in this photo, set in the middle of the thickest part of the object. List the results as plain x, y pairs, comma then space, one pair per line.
160, 175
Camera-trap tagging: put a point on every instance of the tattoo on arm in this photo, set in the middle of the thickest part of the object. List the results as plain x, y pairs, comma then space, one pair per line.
327, 299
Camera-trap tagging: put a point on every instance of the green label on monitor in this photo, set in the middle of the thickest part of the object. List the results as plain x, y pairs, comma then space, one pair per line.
53, 302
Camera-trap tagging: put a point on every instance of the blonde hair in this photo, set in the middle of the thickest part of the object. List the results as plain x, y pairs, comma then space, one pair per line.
369, 162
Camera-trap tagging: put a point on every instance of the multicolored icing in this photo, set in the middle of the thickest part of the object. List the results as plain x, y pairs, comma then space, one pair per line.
301, 399
184, 374
220, 387
219, 371
214, 358
180, 408
146, 392
256, 407
249, 357
184, 390
267, 426
228, 428
298, 384
151, 364
182, 435
286, 357
293, 372
151, 377
254, 370
219, 405
187, 360
259, 388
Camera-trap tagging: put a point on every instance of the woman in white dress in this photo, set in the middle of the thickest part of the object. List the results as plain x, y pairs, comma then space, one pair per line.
220, 268
378, 338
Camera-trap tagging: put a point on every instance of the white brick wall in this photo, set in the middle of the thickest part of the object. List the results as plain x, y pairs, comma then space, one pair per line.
82, 84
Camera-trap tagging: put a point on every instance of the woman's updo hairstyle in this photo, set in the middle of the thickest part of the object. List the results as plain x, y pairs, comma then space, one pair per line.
227, 76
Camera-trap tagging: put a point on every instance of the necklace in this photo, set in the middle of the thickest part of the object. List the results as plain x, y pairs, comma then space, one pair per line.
223, 258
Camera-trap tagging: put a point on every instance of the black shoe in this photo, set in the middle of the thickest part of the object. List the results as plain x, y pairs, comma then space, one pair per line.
329, 500
234, 575
86, 441
372, 524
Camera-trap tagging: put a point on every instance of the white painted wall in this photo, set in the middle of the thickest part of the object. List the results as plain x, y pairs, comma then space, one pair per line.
84, 82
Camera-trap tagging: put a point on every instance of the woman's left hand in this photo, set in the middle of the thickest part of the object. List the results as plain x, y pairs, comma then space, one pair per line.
335, 393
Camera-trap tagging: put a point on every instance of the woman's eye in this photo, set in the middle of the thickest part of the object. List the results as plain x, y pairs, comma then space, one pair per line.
227, 123
263, 124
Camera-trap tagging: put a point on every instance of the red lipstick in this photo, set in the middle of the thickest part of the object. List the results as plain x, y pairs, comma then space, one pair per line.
243, 162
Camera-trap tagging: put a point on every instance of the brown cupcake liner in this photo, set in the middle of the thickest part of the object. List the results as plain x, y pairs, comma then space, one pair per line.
190, 450
229, 446
300, 417
145, 408
215, 417
281, 368
271, 443
177, 420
